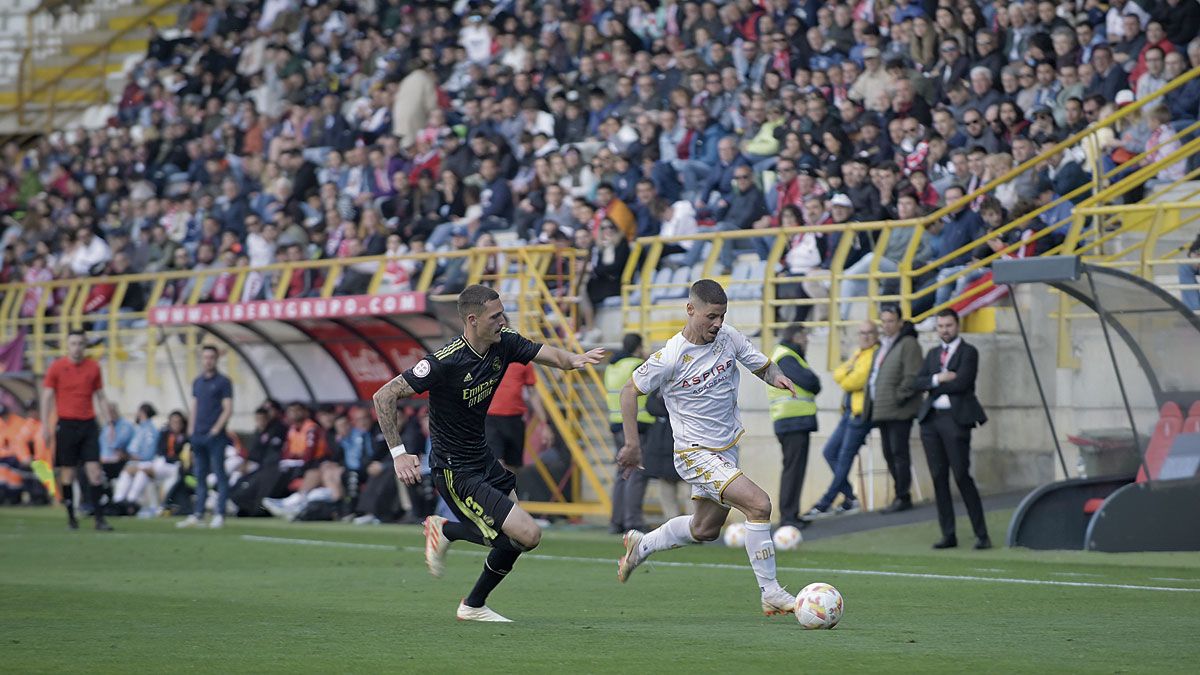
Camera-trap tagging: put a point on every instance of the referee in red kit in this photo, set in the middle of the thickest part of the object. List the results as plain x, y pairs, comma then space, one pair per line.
74, 387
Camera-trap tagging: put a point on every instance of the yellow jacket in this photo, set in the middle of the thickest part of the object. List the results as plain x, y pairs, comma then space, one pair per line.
852, 377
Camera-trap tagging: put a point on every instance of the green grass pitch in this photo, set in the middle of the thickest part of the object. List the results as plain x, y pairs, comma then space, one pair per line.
268, 596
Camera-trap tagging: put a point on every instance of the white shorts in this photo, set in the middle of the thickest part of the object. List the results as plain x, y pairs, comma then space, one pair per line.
709, 472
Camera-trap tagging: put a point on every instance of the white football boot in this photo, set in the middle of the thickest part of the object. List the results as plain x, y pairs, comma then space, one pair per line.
478, 614
436, 546
632, 558
778, 602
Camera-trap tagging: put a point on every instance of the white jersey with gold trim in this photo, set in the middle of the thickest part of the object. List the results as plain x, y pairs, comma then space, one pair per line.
699, 384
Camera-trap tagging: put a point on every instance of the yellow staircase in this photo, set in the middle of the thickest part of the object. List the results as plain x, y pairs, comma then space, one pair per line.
68, 60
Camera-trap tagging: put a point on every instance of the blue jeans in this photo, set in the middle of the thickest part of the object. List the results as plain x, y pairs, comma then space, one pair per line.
208, 454
840, 450
1190, 296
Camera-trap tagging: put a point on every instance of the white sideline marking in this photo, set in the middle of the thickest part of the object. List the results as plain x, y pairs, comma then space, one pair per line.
727, 566
318, 542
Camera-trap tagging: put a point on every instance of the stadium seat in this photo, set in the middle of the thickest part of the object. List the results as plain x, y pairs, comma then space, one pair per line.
737, 279
681, 280
661, 278
1192, 424
1170, 424
509, 290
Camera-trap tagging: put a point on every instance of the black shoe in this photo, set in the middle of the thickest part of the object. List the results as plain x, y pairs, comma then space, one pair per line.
72, 524
103, 526
898, 505
947, 542
983, 543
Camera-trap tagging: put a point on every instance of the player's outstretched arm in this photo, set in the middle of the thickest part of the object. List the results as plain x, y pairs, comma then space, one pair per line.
408, 467
773, 376
630, 456
564, 360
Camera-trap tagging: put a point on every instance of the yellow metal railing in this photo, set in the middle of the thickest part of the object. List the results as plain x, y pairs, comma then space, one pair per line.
91, 66
540, 282
914, 278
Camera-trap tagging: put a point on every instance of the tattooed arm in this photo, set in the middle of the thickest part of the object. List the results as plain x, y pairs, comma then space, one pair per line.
408, 467
772, 375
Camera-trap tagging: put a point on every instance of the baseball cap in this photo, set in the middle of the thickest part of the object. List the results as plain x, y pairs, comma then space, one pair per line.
1124, 97
841, 200
459, 231
870, 53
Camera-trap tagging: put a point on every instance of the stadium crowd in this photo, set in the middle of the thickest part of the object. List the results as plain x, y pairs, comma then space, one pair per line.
296, 463
278, 130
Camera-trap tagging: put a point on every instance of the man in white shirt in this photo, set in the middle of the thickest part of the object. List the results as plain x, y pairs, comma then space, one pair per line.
947, 416
89, 251
697, 373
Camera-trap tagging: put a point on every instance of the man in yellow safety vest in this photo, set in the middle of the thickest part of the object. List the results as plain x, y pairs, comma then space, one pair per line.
794, 418
628, 492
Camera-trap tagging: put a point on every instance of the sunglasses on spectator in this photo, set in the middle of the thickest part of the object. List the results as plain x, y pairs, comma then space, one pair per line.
973, 122
745, 176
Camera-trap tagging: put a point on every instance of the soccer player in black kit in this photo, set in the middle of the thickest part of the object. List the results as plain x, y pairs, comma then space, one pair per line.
461, 379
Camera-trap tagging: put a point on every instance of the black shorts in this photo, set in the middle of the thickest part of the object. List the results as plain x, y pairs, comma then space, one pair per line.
76, 442
479, 497
506, 438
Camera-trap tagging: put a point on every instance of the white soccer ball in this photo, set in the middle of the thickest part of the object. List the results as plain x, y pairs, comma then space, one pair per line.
819, 605
735, 535
787, 538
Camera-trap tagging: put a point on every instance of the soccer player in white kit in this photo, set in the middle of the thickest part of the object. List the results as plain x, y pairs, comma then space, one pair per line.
698, 375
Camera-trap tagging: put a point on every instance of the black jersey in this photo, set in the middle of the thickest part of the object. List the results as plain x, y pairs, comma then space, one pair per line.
461, 384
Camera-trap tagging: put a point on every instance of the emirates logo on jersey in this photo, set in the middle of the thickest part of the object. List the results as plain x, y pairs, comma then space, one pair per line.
719, 369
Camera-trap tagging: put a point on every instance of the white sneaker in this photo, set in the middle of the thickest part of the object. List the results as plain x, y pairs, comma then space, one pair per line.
465, 613
190, 521
632, 558
275, 507
436, 546
217, 522
368, 519
778, 601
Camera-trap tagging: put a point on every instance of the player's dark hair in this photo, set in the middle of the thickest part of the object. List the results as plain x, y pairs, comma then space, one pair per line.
473, 298
148, 410
949, 312
631, 343
709, 292
77, 331
890, 308
211, 348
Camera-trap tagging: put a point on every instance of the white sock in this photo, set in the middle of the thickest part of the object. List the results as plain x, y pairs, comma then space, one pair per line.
121, 489
139, 485
761, 550
674, 533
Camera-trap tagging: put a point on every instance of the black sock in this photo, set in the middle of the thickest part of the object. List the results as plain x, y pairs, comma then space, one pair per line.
462, 532
68, 499
98, 501
498, 564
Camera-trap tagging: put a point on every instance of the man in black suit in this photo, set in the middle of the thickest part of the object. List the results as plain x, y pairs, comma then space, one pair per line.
947, 416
